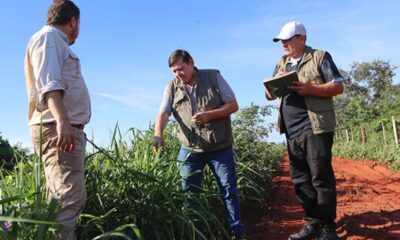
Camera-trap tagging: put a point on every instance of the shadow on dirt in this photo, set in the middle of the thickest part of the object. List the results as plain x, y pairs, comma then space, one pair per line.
375, 225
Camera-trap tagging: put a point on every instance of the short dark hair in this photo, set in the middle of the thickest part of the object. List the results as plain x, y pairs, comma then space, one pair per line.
61, 12
178, 55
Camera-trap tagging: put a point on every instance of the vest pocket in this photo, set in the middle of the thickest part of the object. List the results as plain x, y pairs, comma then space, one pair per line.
316, 104
180, 103
218, 131
321, 113
313, 79
323, 120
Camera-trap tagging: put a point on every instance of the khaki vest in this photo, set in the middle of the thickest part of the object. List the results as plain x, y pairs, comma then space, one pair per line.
320, 109
212, 136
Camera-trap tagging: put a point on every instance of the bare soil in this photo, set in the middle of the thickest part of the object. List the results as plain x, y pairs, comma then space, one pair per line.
368, 196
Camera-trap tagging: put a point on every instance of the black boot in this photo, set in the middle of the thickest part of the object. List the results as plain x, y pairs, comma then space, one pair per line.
308, 232
327, 233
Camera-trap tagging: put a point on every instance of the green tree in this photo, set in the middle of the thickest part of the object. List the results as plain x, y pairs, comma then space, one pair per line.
6, 154
249, 123
252, 151
376, 76
9, 155
369, 95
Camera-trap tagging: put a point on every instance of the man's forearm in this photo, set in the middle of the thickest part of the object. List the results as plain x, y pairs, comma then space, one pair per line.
224, 111
161, 122
56, 106
65, 135
326, 90
329, 89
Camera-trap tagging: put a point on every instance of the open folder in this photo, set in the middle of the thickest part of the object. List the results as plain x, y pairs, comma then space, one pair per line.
277, 86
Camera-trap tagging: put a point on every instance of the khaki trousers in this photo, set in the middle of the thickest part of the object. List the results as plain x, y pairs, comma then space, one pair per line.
65, 176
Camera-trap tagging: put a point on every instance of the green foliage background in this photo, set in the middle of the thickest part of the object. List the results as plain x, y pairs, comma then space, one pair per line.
370, 100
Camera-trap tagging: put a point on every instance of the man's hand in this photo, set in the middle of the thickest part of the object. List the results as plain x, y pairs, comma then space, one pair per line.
158, 142
280, 73
302, 88
65, 134
267, 94
201, 117
66, 139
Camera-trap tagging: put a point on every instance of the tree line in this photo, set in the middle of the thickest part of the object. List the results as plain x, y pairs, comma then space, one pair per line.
370, 96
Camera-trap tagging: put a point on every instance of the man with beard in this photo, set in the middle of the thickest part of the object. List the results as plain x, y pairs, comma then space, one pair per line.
59, 107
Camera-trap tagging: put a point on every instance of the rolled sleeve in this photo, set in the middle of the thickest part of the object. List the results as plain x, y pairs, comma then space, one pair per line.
329, 70
47, 61
338, 80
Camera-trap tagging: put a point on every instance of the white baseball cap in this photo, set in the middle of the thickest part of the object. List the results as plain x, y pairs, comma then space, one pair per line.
289, 30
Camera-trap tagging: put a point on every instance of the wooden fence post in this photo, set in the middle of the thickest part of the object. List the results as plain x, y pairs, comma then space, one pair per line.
352, 135
338, 134
396, 136
384, 133
347, 135
363, 135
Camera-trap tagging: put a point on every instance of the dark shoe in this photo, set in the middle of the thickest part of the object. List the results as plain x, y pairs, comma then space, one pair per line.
327, 233
240, 236
308, 232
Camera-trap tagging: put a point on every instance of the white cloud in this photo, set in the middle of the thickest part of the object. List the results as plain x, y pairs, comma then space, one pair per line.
142, 101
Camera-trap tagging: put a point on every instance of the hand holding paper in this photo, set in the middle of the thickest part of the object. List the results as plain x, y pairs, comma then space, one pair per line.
278, 85
301, 88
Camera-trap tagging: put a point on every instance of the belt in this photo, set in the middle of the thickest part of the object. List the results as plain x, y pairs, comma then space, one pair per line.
78, 126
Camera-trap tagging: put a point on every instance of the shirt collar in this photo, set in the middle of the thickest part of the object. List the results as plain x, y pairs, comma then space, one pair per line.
294, 61
57, 31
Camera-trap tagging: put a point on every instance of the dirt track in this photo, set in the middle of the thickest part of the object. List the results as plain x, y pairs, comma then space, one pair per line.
368, 204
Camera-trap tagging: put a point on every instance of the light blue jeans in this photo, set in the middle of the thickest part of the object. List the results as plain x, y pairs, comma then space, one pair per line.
222, 165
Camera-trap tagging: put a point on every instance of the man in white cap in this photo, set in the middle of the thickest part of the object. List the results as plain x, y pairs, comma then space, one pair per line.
307, 117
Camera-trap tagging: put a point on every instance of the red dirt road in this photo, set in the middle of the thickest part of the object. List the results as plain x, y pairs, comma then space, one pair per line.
368, 204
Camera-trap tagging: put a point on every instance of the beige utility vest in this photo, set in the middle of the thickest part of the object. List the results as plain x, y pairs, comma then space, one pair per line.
320, 109
212, 136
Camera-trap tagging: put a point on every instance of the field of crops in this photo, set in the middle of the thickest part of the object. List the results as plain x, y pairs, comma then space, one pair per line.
134, 192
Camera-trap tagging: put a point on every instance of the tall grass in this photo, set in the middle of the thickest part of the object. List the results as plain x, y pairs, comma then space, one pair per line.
130, 183
134, 192
25, 212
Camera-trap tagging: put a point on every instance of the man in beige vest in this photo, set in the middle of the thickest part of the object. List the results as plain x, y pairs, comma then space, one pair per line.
59, 107
202, 102
307, 117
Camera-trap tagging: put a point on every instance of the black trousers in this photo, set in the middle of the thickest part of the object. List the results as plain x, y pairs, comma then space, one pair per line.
311, 171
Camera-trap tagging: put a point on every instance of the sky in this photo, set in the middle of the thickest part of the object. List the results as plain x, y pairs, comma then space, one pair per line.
124, 47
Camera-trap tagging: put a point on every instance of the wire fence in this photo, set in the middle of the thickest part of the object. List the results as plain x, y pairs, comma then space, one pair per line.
386, 134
